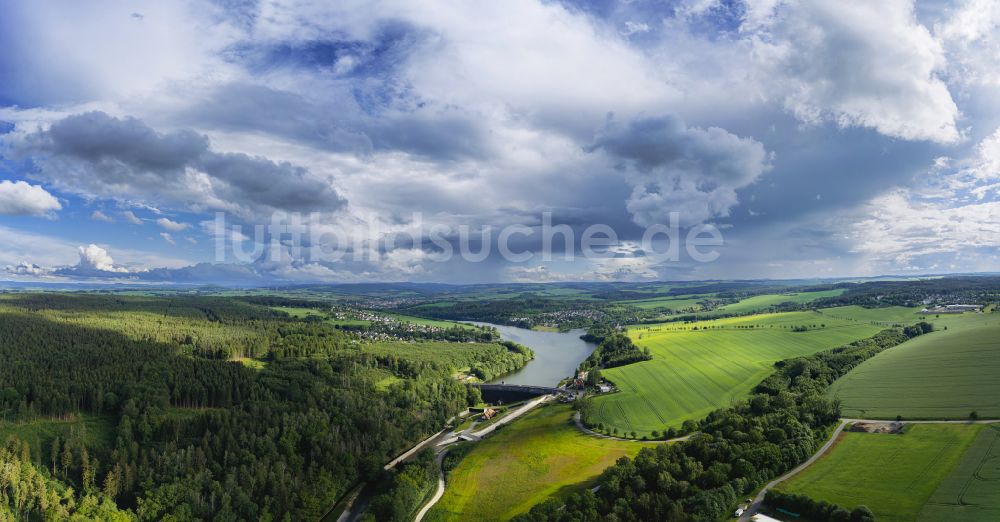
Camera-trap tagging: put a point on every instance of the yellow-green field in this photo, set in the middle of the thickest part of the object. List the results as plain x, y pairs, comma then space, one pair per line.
946, 374
894, 475
526, 462
702, 366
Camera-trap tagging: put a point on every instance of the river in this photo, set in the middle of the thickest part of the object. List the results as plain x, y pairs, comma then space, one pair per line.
557, 355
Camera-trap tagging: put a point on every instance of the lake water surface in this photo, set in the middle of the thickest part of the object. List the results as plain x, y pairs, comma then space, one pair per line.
557, 355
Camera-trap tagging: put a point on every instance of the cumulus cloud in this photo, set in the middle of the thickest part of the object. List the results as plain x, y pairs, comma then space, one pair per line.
94, 261
100, 155
857, 63
18, 198
172, 226
168, 238
676, 168
97, 215
25, 268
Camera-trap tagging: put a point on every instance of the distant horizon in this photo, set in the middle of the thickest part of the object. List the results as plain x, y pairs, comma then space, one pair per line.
287, 284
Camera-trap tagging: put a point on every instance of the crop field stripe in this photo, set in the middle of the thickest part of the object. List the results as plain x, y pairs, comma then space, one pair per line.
955, 499
650, 403
946, 374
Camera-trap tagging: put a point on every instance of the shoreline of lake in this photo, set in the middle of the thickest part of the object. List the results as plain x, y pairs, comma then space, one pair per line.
557, 354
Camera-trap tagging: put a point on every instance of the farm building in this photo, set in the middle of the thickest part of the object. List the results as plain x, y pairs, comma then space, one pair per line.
763, 518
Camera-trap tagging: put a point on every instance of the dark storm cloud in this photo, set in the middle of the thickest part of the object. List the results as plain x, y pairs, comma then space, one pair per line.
97, 137
843, 167
124, 157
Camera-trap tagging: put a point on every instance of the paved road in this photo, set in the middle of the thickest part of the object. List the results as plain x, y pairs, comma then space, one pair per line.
437, 494
511, 416
759, 499
904, 421
453, 437
413, 451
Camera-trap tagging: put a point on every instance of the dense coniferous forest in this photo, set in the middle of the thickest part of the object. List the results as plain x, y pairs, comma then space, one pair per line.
198, 434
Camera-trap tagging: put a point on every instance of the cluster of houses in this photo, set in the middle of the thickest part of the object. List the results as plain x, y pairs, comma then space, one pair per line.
580, 382
952, 309
554, 319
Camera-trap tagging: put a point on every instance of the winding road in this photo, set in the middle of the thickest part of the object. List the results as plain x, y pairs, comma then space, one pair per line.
454, 437
759, 499
437, 494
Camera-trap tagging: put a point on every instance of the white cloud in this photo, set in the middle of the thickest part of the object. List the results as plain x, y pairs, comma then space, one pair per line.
96, 259
168, 238
172, 226
131, 217
104, 53
25, 268
900, 230
634, 28
858, 63
97, 215
18, 198
971, 37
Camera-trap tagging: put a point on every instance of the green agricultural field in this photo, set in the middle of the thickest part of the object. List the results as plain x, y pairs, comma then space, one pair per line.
526, 462
944, 374
894, 475
673, 303
299, 313
886, 316
699, 367
972, 492
762, 302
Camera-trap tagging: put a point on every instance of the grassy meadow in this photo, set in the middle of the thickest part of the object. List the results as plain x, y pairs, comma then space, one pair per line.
526, 462
972, 491
945, 374
702, 366
894, 475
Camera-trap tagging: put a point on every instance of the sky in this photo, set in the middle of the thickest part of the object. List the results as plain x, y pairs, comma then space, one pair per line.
815, 138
